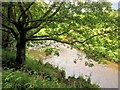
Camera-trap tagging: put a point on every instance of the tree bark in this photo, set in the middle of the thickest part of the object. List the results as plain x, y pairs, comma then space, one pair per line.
20, 47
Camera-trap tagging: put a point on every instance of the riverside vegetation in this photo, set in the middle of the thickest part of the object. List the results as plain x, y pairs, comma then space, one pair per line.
34, 74
91, 27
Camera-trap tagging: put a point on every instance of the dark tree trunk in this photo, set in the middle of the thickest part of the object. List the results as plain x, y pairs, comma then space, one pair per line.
21, 46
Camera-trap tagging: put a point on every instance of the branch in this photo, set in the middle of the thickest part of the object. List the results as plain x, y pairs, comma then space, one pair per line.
25, 11
33, 37
35, 25
48, 11
41, 18
6, 18
106, 32
9, 9
36, 31
51, 35
32, 26
91, 37
67, 42
4, 30
44, 20
12, 31
56, 10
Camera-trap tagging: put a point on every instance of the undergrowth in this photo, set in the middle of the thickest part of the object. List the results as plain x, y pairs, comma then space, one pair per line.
35, 74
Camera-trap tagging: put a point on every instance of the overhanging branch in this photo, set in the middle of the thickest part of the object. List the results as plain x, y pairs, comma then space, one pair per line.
67, 42
105, 32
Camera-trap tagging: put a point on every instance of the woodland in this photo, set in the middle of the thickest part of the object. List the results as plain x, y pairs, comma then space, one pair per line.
91, 27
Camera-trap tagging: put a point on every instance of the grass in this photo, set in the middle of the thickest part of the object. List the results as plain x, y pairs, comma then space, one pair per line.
34, 74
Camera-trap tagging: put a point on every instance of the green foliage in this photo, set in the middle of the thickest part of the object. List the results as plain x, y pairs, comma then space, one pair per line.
22, 80
19, 80
15, 79
49, 50
71, 22
8, 58
34, 75
98, 47
66, 22
46, 70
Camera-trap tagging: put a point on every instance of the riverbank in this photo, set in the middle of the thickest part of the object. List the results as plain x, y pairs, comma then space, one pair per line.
34, 74
75, 63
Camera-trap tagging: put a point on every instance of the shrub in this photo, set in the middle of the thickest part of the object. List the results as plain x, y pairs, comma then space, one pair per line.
8, 58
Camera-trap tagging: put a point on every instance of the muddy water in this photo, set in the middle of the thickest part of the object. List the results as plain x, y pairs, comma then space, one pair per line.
75, 64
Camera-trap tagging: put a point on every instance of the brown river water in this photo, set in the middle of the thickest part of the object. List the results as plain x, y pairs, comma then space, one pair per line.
74, 63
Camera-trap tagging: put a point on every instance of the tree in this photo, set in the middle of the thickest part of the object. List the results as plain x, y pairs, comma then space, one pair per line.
22, 23
26, 20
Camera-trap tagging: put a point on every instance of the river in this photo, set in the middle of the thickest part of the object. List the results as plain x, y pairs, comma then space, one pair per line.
75, 63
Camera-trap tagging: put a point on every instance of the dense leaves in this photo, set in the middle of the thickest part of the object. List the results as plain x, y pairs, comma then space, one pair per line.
90, 26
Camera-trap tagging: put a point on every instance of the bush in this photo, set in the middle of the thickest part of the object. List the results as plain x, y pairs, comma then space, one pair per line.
15, 80
18, 80
8, 55
8, 58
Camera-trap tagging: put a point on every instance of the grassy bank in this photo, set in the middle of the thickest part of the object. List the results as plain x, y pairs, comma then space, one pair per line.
34, 74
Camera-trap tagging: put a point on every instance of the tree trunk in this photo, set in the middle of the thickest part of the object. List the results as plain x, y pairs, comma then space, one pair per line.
20, 46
